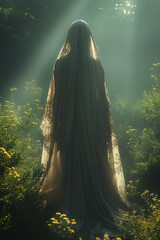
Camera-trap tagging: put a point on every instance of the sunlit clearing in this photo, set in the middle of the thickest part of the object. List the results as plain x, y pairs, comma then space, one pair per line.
126, 7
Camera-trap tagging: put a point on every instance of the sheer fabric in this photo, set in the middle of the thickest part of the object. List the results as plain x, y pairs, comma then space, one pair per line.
83, 173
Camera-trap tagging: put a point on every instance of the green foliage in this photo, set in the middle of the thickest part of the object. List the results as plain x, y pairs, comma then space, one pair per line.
143, 143
62, 226
20, 153
146, 224
6, 11
144, 146
151, 100
132, 190
126, 114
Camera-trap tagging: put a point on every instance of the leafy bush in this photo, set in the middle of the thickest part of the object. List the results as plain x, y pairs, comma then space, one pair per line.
126, 114
20, 167
146, 224
62, 227
144, 143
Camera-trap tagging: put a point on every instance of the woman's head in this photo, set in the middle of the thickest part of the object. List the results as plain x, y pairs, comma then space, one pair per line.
79, 34
79, 40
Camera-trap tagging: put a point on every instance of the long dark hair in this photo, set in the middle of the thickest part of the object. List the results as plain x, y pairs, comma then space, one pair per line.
78, 120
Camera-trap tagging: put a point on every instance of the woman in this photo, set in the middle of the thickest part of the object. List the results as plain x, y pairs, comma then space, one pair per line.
83, 173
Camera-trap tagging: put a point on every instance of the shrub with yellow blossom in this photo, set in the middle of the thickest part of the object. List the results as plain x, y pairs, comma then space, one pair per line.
106, 237
132, 191
144, 143
146, 224
20, 153
62, 226
5, 158
11, 192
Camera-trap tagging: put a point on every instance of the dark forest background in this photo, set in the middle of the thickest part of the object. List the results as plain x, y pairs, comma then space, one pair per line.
128, 43
31, 35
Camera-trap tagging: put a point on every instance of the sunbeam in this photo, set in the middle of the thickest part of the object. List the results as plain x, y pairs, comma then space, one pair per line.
50, 45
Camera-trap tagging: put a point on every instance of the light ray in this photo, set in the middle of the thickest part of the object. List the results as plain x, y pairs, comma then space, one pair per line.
51, 44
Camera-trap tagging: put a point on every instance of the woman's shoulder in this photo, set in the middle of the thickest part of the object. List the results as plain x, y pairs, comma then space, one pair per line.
96, 63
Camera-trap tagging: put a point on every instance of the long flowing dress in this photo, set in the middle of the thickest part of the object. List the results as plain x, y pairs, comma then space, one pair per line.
83, 172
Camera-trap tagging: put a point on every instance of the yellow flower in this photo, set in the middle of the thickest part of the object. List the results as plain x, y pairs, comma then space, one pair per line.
154, 199
2, 149
132, 129
5, 152
73, 222
49, 224
53, 219
80, 238
97, 238
58, 213
67, 220
144, 193
63, 215
106, 237
158, 219
70, 230
55, 222
8, 155
147, 191
118, 238
125, 214
13, 89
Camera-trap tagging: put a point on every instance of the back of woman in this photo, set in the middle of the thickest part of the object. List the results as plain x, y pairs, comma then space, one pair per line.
80, 151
